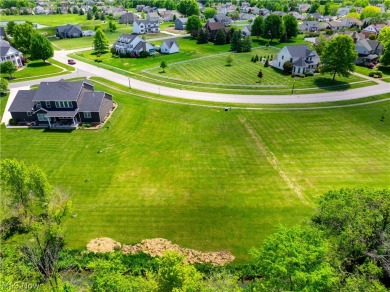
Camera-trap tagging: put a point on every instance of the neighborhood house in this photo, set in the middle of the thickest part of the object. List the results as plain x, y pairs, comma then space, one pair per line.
302, 58
169, 46
9, 53
145, 26
69, 31
61, 104
132, 44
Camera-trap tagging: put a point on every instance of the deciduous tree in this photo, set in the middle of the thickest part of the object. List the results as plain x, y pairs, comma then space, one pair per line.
290, 26
339, 56
22, 36
163, 65
41, 47
8, 67
100, 41
3, 85
257, 27
385, 58
193, 25
209, 12
273, 27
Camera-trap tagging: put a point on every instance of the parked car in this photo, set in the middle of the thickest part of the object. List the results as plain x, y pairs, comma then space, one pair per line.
71, 62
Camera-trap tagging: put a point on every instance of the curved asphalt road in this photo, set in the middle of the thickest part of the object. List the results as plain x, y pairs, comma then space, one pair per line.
84, 69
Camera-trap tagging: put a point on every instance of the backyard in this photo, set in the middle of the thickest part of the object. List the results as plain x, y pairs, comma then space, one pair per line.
202, 177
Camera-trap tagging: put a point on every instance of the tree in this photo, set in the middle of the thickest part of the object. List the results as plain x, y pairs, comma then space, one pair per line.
220, 37
257, 27
96, 15
22, 36
370, 11
314, 7
102, 17
295, 259
287, 67
266, 64
273, 27
384, 35
30, 197
321, 44
357, 223
41, 47
385, 58
235, 42
3, 85
175, 275
387, 4
89, 15
209, 12
202, 36
193, 25
10, 27
290, 26
111, 26
100, 41
260, 75
339, 56
188, 7
229, 60
245, 45
8, 67
163, 65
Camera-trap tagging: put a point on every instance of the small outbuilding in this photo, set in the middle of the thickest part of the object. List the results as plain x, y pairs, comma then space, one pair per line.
169, 47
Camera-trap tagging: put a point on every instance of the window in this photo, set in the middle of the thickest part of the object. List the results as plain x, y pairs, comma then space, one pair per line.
282, 57
39, 104
42, 118
87, 115
48, 104
29, 114
63, 104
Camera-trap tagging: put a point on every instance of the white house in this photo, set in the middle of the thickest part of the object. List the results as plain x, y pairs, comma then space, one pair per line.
246, 31
350, 21
169, 47
302, 58
145, 26
373, 29
9, 53
132, 44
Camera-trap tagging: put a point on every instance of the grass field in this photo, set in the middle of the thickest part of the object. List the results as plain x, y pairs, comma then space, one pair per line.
38, 69
203, 68
202, 177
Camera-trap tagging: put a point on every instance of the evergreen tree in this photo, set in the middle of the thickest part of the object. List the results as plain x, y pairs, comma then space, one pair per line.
220, 37
89, 15
235, 42
203, 36
245, 45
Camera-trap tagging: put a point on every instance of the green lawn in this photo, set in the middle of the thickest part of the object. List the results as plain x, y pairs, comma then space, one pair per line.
202, 177
203, 68
39, 69
365, 71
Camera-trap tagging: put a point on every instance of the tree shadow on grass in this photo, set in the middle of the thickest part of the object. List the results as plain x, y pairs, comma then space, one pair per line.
326, 83
38, 64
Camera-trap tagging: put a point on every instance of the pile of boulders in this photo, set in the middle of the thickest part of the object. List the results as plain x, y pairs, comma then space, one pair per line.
157, 246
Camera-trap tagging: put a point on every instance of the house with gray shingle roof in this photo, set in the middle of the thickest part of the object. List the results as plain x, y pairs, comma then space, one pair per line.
128, 18
169, 47
132, 44
368, 51
302, 58
180, 23
69, 31
3, 34
145, 26
61, 104
9, 53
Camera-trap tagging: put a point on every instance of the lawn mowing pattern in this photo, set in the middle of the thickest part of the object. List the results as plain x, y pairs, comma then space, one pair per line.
196, 177
213, 71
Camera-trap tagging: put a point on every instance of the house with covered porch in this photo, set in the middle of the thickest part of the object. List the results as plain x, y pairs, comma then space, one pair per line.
61, 104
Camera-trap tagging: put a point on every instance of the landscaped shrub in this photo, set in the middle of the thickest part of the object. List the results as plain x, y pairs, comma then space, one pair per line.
98, 60
309, 73
375, 74
13, 122
292, 75
266, 64
287, 67
302, 75
144, 54
86, 125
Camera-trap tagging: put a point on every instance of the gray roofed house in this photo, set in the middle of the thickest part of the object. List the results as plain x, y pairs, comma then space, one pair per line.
302, 58
180, 23
69, 31
128, 18
61, 105
226, 20
9, 53
169, 46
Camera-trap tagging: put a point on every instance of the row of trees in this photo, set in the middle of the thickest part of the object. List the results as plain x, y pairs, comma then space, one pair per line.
344, 246
274, 27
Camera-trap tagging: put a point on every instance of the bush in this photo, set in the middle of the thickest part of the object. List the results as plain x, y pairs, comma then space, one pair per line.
13, 122
292, 75
98, 60
309, 74
287, 67
86, 125
10, 226
302, 75
266, 64
144, 54
375, 74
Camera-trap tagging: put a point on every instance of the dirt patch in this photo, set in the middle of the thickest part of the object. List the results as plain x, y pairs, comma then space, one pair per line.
103, 245
157, 246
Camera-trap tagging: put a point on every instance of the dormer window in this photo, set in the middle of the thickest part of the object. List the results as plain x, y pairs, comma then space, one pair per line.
38, 104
